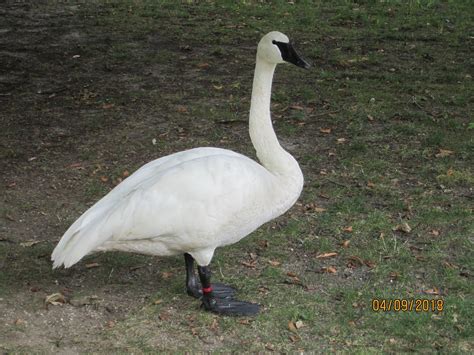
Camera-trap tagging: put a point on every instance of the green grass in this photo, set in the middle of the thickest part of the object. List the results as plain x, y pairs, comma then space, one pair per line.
390, 77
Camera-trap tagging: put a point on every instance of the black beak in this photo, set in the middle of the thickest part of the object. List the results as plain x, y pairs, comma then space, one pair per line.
290, 55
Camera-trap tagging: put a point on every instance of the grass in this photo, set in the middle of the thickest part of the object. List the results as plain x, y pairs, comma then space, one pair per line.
391, 78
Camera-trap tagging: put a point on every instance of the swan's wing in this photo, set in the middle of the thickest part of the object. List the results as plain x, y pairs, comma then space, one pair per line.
154, 200
121, 198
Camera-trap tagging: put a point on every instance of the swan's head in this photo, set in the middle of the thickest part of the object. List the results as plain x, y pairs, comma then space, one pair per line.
275, 48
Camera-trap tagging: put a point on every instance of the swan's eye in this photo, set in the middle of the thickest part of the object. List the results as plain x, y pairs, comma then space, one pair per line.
274, 42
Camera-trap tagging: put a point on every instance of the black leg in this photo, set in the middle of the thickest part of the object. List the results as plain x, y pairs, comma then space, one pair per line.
226, 306
193, 287
192, 284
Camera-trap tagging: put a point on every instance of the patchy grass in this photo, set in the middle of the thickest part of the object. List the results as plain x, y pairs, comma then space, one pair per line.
380, 125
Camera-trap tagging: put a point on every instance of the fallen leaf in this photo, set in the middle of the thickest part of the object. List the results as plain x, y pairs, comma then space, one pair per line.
345, 243
126, 173
325, 130
347, 229
394, 275
166, 275
104, 178
329, 269
370, 117
432, 291
341, 140
444, 153
214, 325
292, 274
292, 327
263, 243
403, 227
164, 316
251, 265
158, 301
270, 346
354, 261
294, 338
218, 87
450, 265
10, 218
326, 255
203, 65
299, 324
435, 232
110, 324
76, 166
370, 184
30, 243
244, 321
296, 107
107, 106
19, 321
182, 109
92, 265
56, 299
274, 263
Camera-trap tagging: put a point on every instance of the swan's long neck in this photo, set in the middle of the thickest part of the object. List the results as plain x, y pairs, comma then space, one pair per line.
272, 156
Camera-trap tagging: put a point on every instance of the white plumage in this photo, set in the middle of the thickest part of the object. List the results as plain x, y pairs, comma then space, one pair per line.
196, 200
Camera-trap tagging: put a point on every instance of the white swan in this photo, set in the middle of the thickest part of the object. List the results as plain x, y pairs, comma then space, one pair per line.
194, 201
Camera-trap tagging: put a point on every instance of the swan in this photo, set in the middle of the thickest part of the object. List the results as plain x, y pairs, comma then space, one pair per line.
195, 201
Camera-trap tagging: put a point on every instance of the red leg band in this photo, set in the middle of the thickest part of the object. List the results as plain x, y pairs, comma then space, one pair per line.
207, 289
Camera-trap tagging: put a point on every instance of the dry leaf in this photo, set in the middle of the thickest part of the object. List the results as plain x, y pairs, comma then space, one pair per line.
347, 229
218, 87
30, 243
158, 301
107, 106
292, 327
214, 325
370, 184
104, 178
19, 321
444, 153
244, 321
450, 265
296, 107
329, 270
325, 130
110, 324
270, 346
294, 338
299, 324
92, 265
274, 263
435, 232
354, 261
341, 140
319, 209
263, 243
370, 117
203, 65
182, 109
432, 291
251, 265
56, 299
166, 274
394, 275
125, 173
345, 244
403, 227
292, 274
325, 255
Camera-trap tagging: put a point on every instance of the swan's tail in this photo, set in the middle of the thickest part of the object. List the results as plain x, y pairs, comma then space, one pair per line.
82, 237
